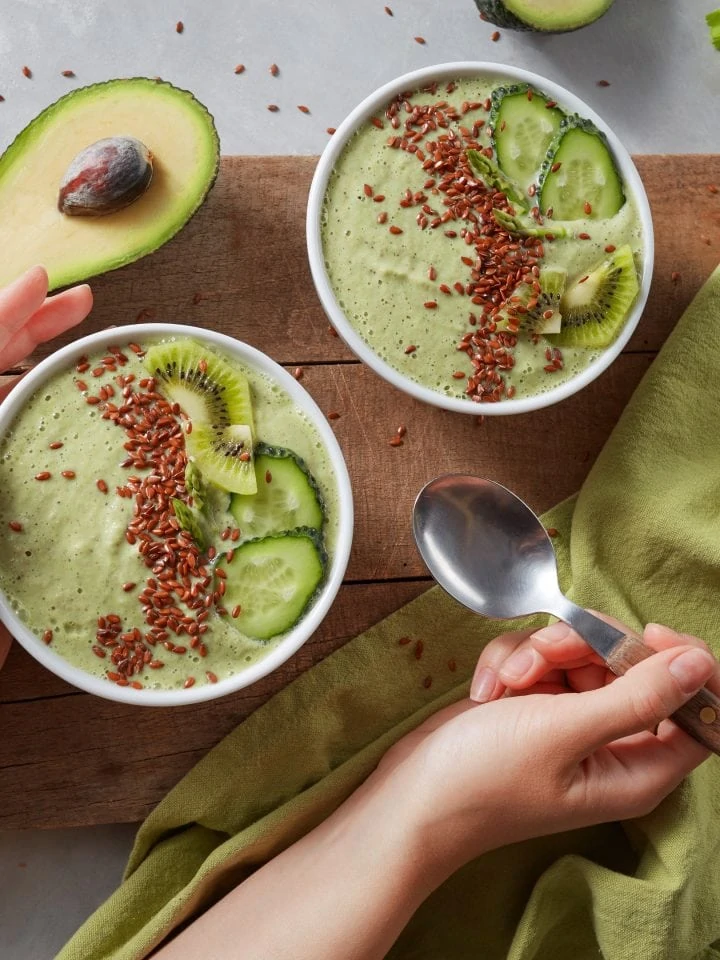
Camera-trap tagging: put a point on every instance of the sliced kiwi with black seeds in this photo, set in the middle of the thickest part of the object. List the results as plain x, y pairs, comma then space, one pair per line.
208, 388
225, 455
595, 305
536, 312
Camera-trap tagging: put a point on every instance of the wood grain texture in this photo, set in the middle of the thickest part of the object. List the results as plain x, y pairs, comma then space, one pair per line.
240, 267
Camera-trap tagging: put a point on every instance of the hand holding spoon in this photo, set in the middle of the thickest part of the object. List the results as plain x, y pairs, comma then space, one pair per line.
490, 552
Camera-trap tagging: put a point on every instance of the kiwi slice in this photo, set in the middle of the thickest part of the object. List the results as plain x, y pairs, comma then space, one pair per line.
226, 456
208, 388
595, 305
538, 313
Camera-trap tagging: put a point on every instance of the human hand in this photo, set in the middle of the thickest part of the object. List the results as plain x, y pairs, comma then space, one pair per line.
29, 317
525, 762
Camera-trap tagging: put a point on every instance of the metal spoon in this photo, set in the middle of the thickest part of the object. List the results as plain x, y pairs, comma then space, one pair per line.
490, 552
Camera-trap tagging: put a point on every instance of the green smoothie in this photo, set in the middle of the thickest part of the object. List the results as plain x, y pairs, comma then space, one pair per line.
403, 284
67, 559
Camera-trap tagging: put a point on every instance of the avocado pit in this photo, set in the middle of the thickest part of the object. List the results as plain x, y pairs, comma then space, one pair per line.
105, 177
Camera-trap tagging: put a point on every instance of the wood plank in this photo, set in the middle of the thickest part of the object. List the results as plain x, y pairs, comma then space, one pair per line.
69, 758
240, 266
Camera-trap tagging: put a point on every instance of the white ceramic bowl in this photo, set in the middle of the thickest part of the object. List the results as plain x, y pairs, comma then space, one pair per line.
66, 358
377, 101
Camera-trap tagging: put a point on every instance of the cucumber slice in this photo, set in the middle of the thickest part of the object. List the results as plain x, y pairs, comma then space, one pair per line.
287, 496
578, 170
272, 580
542, 16
524, 124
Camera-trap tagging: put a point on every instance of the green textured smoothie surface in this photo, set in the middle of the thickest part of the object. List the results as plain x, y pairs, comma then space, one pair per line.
429, 258
97, 560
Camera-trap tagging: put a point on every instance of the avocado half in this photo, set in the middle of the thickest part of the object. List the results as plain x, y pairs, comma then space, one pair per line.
176, 128
543, 16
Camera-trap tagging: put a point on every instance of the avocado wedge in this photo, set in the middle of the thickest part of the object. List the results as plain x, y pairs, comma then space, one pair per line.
177, 130
542, 16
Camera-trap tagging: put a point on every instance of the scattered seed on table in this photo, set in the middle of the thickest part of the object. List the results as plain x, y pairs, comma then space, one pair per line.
420, 40
27, 72
333, 332
68, 73
401, 430
674, 276
303, 109
16, 526
273, 107
495, 36
552, 532
330, 130
43, 475
712, 188
179, 26
603, 83
47, 636
240, 68
396, 442
403, 641
274, 69
2, 98
389, 12
298, 373
333, 415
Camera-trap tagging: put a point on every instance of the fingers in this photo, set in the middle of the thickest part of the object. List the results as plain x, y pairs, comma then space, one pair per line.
659, 637
19, 301
647, 694
50, 318
485, 684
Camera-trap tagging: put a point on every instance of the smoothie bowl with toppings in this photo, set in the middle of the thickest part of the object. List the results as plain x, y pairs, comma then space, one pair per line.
479, 236
177, 514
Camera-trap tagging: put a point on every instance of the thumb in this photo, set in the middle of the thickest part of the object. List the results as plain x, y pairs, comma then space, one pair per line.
648, 693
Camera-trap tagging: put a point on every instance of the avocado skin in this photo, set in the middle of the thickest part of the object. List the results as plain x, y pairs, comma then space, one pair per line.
495, 11
25, 138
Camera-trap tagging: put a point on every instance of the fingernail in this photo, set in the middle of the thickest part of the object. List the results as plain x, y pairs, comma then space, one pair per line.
483, 684
553, 633
691, 669
516, 666
661, 630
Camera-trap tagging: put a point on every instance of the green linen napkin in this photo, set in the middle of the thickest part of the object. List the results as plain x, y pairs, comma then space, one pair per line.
640, 541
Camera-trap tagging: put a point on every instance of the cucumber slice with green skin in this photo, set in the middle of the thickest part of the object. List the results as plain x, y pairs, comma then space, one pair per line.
489, 173
584, 173
287, 496
543, 16
272, 580
524, 124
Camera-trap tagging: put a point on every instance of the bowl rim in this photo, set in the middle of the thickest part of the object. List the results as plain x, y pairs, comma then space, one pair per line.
64, 358
379, 98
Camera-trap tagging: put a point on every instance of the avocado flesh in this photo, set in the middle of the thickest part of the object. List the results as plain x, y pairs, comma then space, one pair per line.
547, 16
175, 127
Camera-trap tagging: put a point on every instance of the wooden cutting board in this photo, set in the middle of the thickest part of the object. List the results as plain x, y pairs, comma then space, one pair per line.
67, 758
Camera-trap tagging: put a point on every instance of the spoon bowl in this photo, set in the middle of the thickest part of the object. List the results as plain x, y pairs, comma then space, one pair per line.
490, 552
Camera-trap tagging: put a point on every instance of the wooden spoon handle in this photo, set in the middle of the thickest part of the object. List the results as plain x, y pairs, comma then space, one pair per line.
700, 717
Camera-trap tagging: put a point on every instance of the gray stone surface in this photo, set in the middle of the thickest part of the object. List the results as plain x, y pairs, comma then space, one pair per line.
664, 97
